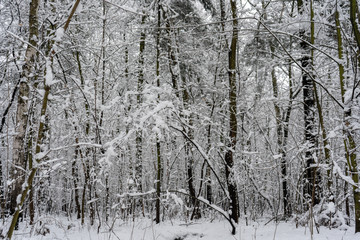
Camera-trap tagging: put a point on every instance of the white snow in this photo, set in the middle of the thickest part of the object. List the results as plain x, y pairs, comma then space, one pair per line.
332, 134
337, 169
40, 155
49, 77
59, 34
331, 207
57, 165
145, 229
135, 194
161, 106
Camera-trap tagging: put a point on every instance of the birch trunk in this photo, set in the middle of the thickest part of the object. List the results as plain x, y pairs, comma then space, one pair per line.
33, 22
19, 145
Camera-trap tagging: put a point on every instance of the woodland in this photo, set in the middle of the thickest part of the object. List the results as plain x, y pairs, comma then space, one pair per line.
179, 109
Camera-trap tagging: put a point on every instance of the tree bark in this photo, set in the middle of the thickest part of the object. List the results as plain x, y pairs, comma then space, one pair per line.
139, 140
33, 24
189, 160
229, 155
309, 121
31, 193
353, 11
74, 172
280, 138
350, 144
326, 145
158, 145
19, 144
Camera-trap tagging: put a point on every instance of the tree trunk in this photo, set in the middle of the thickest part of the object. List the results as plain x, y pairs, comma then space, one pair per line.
87, 130
189, 161
326, 145
349, 142
31, 193
286, 120
310, 176
139, 140
172, 50
75, 176
33, 24
19, 155
354, 8
280, 138
208, 183
229, 155
158, 146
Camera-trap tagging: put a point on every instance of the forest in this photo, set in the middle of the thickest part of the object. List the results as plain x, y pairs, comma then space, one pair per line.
119, 111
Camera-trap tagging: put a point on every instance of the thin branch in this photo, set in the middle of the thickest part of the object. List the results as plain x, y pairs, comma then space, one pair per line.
73, 10
9, 106
26, 42
299, 65
206, 158
125, 9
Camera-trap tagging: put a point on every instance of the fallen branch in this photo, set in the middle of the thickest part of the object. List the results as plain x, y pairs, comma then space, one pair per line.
213, 206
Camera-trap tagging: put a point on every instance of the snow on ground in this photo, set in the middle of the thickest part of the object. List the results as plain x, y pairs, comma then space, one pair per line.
147, 230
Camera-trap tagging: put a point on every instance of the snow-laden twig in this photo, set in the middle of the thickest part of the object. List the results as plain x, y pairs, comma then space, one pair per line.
161, 106
125, 9
136, 194
42, 155
347, 179
26, 42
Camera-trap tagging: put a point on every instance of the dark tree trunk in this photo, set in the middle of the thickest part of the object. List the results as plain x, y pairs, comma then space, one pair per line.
75, 177
158, 145
229, 155
311, 191
350, 143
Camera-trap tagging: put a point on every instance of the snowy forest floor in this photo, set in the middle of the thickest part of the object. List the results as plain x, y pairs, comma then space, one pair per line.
62, 228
